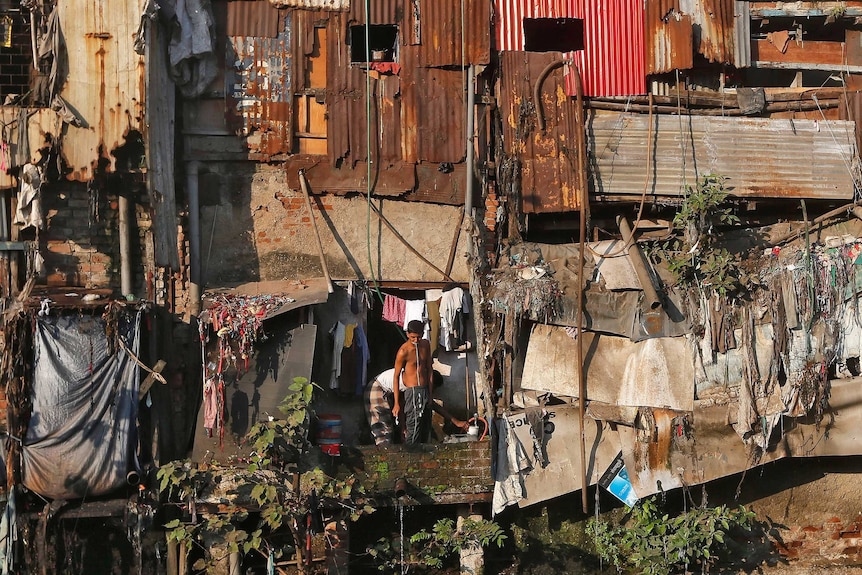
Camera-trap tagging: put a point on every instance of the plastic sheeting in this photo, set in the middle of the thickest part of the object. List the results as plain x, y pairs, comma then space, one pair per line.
80, 440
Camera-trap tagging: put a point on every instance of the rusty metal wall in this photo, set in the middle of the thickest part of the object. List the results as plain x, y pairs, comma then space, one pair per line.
105, 80
379, 11
669, 37
715, 20
259, 92
548, 159
444, 27
258, 19
763, 158
434, 115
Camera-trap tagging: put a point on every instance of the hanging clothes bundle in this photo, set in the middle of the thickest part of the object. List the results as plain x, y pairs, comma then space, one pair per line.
454, 307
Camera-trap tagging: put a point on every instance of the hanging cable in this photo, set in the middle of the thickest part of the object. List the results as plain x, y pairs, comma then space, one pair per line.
368, 183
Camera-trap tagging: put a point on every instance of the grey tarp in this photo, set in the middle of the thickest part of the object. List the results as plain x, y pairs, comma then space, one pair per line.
80, 440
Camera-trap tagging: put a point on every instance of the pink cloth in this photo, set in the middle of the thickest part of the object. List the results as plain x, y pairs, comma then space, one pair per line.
394, 309
210, 406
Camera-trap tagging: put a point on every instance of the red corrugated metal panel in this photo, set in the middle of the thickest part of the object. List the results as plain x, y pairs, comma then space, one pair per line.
260, 100
441, 23
549, 165
669, 37
379, 11
509, 16
259, 19
613, 62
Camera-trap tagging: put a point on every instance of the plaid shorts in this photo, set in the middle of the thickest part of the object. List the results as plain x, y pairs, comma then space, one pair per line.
378, 409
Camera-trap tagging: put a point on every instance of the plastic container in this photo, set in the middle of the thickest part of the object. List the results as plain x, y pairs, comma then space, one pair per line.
329, 433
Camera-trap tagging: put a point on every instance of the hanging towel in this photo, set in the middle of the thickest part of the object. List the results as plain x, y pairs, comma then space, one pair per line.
413, 310
337, 333
394, 309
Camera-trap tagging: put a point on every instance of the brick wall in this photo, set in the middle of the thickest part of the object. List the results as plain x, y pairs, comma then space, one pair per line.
437, 474
16, 60
834, 541
81, 243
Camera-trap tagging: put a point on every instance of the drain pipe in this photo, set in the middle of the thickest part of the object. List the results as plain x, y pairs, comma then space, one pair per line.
192, 171
471, 127
125, 246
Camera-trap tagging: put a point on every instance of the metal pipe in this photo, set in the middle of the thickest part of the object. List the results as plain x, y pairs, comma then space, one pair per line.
400, 487
636, 257
125, 246
303, 183
582, 241
192, 170
471, 128
537, 93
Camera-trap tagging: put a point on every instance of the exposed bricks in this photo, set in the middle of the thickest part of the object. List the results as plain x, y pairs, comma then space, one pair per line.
835, 541
438, 473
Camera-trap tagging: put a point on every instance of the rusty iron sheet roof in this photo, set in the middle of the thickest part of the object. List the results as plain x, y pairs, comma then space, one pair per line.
851, 109
105, 81
441, 28
509, 16
762, 158
259, 93
669, 37
549, 176
391, 180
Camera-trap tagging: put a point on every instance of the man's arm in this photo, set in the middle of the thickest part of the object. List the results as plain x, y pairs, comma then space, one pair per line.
461, 425
396, 382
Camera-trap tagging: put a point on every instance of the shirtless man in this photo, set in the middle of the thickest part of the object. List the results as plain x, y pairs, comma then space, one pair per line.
413, 363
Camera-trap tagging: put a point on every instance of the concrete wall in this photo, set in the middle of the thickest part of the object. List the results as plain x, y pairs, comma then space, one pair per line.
255, 228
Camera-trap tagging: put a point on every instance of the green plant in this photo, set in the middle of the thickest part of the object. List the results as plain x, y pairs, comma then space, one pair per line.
654, 543
265, 497
427, 550
695, 258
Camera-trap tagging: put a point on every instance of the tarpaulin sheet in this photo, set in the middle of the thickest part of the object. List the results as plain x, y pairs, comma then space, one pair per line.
80, 440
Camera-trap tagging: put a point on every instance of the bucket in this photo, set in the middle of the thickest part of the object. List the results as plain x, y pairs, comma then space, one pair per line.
329, 433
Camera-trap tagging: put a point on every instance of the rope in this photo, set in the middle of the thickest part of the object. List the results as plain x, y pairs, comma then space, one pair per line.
157, 376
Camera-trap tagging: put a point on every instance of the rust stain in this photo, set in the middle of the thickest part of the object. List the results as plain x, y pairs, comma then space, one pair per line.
549, 171
669, 37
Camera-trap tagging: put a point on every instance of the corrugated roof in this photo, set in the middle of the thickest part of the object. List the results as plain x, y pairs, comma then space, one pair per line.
716, 25
548, 175
762, 158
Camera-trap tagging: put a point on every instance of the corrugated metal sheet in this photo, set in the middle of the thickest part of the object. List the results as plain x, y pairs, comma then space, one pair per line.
715, 21
761, 157
742, 32
259, 19
549, 176
260, 93
434, 114
668, 37
379, 11
613, 62
447, 25
851, 109
105, 80
509, 17
313, 4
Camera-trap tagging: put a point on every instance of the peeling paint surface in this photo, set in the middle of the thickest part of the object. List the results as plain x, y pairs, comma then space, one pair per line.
99, 40
259, 92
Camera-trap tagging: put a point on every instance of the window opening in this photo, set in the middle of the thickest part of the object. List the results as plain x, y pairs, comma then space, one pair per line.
382, 40
553, 34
